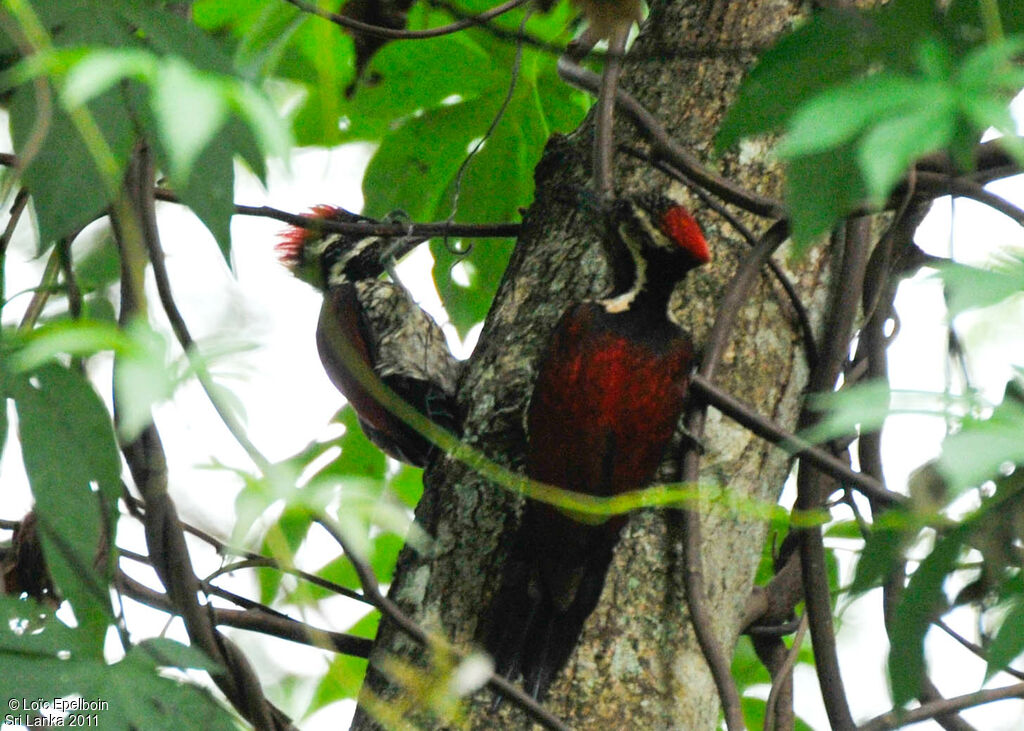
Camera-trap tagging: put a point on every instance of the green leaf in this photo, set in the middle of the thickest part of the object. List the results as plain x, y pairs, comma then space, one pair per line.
167, 653
171, 35
63, 173
98, 69
53, 661
68, 190
969, 288
343, 679
407, 485
460, 70
754, 710
359, 456
382, 557
141, 378
1008, 644
981, 447
416, 164
263, 121
209, 189
892, 146
921, 602
882, 550
292, 527
829, 49
74, 337
991, 65
4, 423
367, 625
866, 405
189, 107
99, 267
820, 189
59, 415
836, 116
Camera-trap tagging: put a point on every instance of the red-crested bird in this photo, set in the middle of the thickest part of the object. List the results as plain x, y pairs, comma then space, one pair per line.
609, 392
389, 332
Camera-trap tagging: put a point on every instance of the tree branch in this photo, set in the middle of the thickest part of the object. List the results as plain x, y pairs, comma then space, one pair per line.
399, 35
853, 242
735, 294
391, 610
134, 222
899, 718
272, 624
664, 146
370, 228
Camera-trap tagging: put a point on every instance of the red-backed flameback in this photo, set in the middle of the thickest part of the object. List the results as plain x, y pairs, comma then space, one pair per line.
609, 392
388, 332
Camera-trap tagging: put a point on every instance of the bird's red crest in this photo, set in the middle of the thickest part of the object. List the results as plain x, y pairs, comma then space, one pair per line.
679, 225
294, 238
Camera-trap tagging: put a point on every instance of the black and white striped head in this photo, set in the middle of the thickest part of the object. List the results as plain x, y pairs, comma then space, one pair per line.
657, 227
322, 258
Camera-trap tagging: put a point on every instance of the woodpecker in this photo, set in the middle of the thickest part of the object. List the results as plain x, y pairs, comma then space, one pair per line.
609, 392
389, 332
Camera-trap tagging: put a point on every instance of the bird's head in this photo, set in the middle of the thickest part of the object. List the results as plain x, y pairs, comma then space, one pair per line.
321, 258
658, 228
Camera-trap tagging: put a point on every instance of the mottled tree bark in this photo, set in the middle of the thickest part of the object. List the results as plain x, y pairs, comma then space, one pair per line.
638, 664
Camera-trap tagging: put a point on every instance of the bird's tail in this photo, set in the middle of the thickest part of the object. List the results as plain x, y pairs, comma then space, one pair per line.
552, 582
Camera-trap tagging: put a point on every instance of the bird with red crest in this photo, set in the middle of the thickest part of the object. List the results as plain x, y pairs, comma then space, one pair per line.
376, 321
609, 393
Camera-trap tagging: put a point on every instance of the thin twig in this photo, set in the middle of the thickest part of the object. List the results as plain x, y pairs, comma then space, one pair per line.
163, 286
379, 31
976, 649
664, 146
964, 188
17, 208
783, 676
134, 223
498, 115
735, 294
768, 430
853, 243
899, 718
391, 610
42, 292
604, 122
251, 559
272, 624
369, 228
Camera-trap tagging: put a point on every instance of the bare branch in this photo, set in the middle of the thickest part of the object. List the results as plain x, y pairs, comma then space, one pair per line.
664, 146
899, 718
370, 228
736, 292
391, 610
264, 622
396, 34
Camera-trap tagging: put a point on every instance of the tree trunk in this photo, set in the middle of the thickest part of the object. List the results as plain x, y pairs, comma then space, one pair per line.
638, 664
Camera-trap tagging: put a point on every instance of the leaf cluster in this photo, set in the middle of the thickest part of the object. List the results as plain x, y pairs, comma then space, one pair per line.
861, 95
